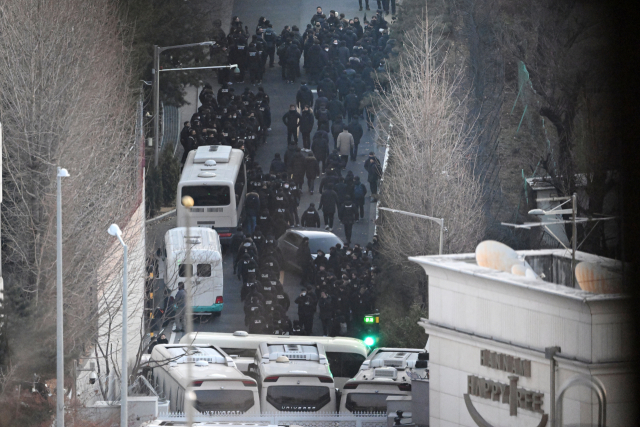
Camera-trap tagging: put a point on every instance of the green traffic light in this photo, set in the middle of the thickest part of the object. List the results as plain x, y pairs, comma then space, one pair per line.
369, 341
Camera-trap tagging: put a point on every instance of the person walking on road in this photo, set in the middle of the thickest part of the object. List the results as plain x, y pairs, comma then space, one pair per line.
328, 205
374, 168
291, 120
320, 147
345, 145
349, 216
355, 129
326, 313
306, 126
310, 218
312, 169
359, 193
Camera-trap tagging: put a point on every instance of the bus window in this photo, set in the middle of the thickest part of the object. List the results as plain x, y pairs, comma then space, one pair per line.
345, 365
208, 195
298, 398
204, 270
240, 352
185, 269
224, 400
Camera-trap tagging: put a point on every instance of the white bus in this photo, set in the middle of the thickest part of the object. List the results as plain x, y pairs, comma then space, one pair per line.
215, 177
345, 355
219, 387
386, 372
205, 267
294, 377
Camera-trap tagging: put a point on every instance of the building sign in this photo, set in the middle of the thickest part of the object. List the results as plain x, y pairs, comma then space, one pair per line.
506, 393
506, 363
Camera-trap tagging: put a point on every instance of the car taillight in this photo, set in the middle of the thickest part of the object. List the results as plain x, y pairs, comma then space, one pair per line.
325, 379
271, 379
219, 300
196, 383
248, 383
404, 387
224, 234
350, 386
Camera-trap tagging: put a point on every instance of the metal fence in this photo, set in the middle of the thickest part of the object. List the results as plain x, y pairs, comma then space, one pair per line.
304, 419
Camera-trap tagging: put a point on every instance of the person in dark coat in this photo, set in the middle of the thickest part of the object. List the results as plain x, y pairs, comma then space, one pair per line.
291, 120
359, 193
328, 205
349, 216
352, 105
189, 143
355, 129
288, 158
374, 168
236, 241
336, 128
312, 170
298, 167
326, 313
304, 96
323, 117
304, 261
277, 165
310, 218
306, 125
320, 147
252, 208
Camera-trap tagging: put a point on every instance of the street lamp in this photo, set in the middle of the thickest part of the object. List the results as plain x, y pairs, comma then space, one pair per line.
62, 173
157, 50
188, 202
114, 230
440, 221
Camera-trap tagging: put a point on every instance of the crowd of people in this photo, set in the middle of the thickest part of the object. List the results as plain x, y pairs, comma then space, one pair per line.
341, 57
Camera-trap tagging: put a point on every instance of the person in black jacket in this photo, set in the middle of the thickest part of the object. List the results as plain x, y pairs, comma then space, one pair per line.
252, 208
277, 165
293, 54
304, 96
236, 241
306, 126
355, 129
349, 216
328, 205
291, 120
336, 128
312, 170
352, 104
320, 147
310, 217
326, 313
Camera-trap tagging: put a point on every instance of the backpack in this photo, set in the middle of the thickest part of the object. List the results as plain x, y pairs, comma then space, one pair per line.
282, 49
358, 191
323, 116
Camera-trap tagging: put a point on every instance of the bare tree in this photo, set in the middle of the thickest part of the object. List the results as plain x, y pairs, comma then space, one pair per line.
65, 99
431, 156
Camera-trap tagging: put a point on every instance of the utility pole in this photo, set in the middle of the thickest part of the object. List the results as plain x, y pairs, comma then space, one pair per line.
156, 102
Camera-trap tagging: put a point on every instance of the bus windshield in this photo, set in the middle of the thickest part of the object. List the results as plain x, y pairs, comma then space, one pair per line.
298, 398
367, 402
208, 195
223, 400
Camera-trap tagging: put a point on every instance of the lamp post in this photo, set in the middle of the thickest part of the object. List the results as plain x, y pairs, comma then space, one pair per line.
440, 221
157, 50
62, 173
188, 202
114, 230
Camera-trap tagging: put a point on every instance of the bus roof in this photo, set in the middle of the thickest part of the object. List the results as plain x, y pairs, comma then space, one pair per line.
207, 167
208, 363
242, 339
201, 240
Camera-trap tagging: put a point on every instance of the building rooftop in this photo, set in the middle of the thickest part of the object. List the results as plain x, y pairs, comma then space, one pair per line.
548, 264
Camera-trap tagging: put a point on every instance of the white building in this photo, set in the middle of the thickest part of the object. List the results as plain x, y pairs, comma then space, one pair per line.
488, 333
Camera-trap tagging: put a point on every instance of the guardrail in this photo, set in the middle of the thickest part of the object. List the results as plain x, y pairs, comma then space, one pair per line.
305, 419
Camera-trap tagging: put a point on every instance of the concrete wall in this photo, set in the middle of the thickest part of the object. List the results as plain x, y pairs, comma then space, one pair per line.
473, 309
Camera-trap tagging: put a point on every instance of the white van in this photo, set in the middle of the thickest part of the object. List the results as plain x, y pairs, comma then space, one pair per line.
215, 177
205, 267
219, 387
345, 355
386, 372
294, 377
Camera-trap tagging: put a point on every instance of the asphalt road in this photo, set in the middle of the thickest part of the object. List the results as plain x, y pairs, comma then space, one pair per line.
280, 13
